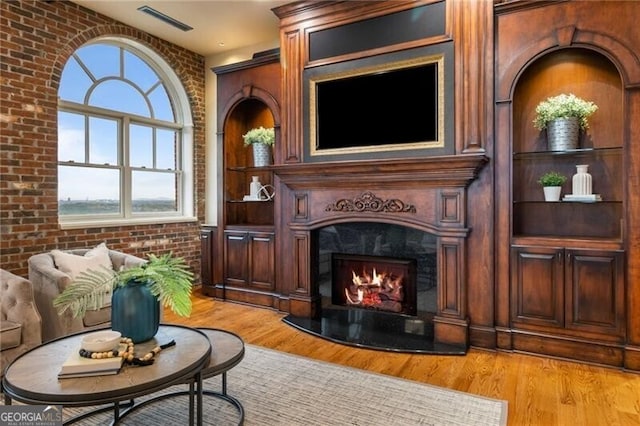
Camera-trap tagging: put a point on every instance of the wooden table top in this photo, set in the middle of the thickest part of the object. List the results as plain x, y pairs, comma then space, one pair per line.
33, 377
227, 350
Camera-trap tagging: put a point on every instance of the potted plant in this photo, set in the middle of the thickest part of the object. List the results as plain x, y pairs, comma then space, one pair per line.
262, 139
136, 294
563, 117
552, 185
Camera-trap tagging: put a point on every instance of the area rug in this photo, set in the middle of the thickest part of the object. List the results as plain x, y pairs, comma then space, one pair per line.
276, 388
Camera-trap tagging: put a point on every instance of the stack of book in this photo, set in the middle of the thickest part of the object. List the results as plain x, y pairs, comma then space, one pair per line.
589, 198
79, 366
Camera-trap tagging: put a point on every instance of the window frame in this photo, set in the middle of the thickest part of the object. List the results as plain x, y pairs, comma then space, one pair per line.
183, 126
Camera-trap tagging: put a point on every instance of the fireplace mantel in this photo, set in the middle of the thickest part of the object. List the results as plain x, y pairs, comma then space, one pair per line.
441, 171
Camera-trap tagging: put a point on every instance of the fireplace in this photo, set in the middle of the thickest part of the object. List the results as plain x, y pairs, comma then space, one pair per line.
374, 282
360, 247
378, 287
411, 208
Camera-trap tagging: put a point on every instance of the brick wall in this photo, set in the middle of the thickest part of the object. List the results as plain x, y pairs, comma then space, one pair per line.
36, 39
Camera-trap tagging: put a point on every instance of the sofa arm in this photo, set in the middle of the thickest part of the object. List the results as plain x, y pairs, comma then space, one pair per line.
43, 274
48, 282
121, 260
18, 306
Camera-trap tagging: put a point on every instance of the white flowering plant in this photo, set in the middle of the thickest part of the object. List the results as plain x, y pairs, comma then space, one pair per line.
261, 135
563, 106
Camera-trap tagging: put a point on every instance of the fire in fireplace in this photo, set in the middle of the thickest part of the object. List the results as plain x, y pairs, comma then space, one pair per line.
374, 282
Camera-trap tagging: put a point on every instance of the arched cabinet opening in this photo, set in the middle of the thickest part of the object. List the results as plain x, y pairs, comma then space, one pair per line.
239, 169
592, 77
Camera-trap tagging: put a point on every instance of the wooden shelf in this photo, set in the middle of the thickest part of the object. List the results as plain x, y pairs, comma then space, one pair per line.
581, 152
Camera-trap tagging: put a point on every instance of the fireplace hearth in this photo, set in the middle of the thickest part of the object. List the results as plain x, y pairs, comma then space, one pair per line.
372, 329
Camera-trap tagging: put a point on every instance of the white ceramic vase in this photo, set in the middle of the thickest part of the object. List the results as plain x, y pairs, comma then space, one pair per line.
581, 181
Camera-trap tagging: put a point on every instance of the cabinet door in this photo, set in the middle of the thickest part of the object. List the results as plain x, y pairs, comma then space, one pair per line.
262, 260
537, 286
206, 260
595, 291
236, 256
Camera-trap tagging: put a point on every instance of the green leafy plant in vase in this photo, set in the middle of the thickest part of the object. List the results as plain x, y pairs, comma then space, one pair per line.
261, 139
552, 179
563, 117
552, 185
136, 294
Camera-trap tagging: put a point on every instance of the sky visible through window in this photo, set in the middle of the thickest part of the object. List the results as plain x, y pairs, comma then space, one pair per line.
91, 148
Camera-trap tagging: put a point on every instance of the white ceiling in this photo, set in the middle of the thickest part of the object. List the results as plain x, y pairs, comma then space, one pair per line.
236, 23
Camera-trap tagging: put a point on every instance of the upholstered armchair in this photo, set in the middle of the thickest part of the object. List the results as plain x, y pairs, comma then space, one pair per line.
21, 322
49, 279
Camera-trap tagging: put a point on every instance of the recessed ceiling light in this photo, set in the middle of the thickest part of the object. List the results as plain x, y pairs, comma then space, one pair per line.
165, 18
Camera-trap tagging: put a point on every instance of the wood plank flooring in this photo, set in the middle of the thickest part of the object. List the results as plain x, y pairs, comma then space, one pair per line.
540, 391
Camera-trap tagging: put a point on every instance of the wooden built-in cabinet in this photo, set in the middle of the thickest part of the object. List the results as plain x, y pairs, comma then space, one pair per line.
248, 96
563, 278
571, 290
249, 258
207, 252
565, 289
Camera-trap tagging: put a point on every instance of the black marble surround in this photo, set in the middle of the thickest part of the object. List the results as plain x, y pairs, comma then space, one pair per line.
369, 328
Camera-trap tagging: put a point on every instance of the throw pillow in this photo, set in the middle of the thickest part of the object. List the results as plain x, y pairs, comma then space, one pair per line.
73, 265
10, 334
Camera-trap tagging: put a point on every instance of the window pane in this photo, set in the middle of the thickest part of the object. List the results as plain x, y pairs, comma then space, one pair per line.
154, 192
103, 141
70, 137
75, 196
140, 146
102, 60
74, 82
166, 149
161, 105
119, 96
139, 72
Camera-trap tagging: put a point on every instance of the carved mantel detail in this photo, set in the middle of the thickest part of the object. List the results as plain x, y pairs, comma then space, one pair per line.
367, 201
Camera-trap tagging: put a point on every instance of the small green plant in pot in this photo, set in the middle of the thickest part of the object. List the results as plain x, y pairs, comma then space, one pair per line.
552, 179
552, 185
563, 117
136, 294
261, 139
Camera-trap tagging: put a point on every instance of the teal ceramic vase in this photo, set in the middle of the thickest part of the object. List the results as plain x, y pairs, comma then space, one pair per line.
135, 312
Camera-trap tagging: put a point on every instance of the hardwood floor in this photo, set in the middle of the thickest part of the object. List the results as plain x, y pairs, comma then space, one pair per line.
540, 391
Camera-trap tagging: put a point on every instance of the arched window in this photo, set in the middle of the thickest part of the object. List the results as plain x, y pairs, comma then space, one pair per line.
124, 138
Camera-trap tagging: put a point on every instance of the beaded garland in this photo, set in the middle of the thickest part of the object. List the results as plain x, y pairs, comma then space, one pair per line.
127, 354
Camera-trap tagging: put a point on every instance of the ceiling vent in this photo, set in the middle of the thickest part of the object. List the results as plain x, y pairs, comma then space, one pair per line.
164, 18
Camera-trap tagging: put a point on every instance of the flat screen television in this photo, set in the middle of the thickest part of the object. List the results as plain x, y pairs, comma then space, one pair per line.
391, 106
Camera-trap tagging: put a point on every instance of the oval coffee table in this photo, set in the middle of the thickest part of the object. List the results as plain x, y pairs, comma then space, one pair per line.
32, 378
